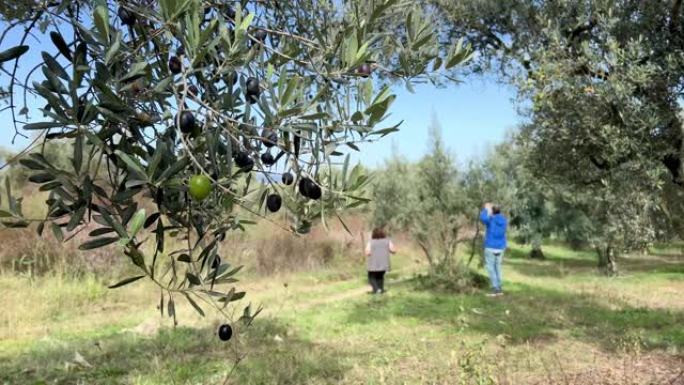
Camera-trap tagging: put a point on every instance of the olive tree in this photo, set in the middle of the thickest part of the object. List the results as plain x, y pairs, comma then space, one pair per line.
212, 112
620, 216
425, 199
438, 216
618, 219
604, 78
393, 194
419, 197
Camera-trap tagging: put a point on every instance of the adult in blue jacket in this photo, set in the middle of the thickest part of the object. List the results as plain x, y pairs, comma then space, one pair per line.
494, 244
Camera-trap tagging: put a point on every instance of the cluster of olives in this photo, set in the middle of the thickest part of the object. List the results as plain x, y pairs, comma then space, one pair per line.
175, 63
200, 186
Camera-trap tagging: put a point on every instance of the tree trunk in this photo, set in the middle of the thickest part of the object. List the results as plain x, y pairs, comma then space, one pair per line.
607, 260
363, 246
473, 243
536, 252
426, 252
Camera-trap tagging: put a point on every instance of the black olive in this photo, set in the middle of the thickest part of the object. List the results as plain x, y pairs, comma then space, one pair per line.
252, 90
267, 159
269, 137
244, 161
225, 332
309, 189
175, 65
287, 178
127, 17
364, 70
274, 202
217, 262
186, 121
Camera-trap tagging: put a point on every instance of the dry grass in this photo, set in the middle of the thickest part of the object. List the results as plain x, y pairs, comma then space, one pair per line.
267, 249
620, 369
25, 252
264, 250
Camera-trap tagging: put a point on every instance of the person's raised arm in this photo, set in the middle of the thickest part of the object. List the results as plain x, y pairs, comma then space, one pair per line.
484, 214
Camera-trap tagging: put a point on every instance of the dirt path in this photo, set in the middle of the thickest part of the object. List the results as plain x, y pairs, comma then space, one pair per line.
345, 295
280, 298
274, 305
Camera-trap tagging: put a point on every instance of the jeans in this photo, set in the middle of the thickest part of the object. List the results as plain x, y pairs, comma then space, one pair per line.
493, 265
377, 280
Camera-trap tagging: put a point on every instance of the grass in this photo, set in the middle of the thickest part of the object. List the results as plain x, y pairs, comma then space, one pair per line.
560, 322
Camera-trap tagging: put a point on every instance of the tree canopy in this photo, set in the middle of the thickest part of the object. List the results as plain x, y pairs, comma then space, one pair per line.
604, 79
211, 112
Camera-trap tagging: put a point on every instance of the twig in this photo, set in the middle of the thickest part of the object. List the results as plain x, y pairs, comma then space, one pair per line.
27, 30
26, 150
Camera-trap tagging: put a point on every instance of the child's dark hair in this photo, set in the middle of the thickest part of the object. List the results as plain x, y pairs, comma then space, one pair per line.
496, 209
378, 233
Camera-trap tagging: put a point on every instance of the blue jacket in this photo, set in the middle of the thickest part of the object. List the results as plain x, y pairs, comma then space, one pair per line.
495, 235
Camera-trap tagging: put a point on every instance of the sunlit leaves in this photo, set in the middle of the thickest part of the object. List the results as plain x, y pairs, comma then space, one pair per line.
101, 18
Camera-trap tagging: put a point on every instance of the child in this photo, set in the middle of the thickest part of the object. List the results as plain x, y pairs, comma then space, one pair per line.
378, 251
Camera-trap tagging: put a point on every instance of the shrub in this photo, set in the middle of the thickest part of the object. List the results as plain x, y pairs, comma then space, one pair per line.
453, 278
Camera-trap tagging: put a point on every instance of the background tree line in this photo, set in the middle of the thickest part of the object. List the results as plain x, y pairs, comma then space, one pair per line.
437, 202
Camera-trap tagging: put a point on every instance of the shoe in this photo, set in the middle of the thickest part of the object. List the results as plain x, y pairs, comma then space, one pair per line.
492, 294
381, 291
499, 293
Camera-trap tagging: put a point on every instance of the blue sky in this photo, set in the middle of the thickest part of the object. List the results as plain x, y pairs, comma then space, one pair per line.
474, 115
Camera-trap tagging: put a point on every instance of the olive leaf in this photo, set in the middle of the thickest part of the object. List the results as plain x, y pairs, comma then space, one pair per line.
42, 125
194, 304
132, 164
101, 18
126, 281
54, 66
13, 53
97, 243
137, 223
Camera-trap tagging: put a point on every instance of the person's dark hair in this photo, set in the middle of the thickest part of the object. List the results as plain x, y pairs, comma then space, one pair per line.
378, 233
496, 209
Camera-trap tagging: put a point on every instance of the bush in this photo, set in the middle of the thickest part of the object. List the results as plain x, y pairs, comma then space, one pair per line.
452, 278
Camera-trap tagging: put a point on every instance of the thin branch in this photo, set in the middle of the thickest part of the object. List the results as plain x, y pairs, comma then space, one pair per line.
25, 151
27, 31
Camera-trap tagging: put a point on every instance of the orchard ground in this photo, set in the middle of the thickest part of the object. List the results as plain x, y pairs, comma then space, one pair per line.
559, 323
